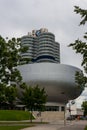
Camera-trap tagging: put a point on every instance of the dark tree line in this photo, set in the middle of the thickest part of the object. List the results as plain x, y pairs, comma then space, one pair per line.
11, 79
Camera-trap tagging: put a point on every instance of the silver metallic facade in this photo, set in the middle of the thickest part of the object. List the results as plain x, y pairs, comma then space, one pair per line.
45, 68
57, 79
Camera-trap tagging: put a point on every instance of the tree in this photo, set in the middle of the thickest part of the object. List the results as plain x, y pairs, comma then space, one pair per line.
80, 80
11, 94
2, 94
34, 98
40, 98
81, 47
10, 76
83, 14
84, 106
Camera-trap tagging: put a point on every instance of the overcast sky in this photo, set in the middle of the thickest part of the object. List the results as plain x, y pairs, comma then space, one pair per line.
17, 17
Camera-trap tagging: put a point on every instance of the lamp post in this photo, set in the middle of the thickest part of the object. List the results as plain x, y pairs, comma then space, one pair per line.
70, 108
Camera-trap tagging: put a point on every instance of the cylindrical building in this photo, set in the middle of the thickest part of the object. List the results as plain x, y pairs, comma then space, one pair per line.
46, 48
42, 46
27, 41
45, 68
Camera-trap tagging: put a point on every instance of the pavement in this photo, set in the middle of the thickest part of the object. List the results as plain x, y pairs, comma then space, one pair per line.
70, 125
80, 125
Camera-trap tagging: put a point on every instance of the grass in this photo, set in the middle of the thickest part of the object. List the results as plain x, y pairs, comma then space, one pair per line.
12, 127
14, 120
14, 115
85, 128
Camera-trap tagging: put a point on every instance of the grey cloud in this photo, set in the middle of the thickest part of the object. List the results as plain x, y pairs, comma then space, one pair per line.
17, 17
84, 92
20, 16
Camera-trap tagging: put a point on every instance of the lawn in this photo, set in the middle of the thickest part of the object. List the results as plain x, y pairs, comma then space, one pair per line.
14, 115
12, 127
85, 128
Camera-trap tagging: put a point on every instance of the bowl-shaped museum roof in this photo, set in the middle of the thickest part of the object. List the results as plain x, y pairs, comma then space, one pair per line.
57, 79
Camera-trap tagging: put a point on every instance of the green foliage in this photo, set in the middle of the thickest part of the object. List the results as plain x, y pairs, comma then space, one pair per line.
14, 115
2, 94
12, 127
80, 81
84, 106
10, 77
11, 94
34, 98
8, 95
81, 47
85, 128
83, 14
40, 98
9, 58
28, 97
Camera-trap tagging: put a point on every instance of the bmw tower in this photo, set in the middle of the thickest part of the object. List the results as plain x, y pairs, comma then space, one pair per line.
45, 68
